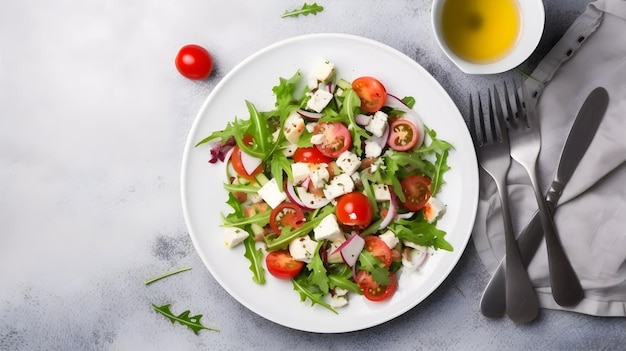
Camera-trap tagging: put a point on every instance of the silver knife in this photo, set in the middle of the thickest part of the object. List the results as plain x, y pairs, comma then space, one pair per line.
492, 303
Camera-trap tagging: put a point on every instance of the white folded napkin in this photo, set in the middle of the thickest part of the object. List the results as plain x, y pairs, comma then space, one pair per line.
591, 214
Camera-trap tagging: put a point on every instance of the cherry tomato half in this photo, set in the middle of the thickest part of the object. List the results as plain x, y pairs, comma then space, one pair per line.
371, 92
403, 135
416, 189
281, 265
194, 62
377, 247
354, 209
238, 165
336, 138
286, 214
371, 289
310, 155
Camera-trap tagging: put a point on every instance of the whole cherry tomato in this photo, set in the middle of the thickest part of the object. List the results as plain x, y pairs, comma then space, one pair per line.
194, 62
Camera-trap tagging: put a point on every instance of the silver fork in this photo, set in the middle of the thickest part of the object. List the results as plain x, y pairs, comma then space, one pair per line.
525, 147
492, 146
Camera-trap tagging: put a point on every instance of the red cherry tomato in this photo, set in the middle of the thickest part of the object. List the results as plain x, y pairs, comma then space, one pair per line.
371, 289
336, 138
416, 189
194, 62
377, 247
238, 165
286, 214
310, 155
371, 92
281, 265
354, 209
403, 135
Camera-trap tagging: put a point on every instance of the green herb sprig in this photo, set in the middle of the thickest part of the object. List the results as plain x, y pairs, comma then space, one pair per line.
193, 322
306, 10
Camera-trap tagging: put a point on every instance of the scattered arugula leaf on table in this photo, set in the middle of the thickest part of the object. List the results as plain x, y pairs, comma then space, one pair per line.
159, 277
193, 322
306, 9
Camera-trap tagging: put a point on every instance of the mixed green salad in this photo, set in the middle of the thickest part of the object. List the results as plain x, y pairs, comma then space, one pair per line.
335, 188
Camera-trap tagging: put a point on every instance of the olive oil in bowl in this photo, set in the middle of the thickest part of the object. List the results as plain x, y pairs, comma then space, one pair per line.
480, 31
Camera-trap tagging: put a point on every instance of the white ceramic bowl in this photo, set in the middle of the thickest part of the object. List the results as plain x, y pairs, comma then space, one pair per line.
532, 20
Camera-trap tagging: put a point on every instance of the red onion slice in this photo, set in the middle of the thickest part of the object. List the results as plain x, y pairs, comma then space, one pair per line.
362, 119
293, 196
391, 214
350, 249
309, 114
250, 163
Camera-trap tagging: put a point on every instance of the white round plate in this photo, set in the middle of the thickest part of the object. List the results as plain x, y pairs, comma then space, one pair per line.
204, 199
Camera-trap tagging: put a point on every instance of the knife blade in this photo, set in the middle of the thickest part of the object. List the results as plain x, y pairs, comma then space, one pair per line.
581, 134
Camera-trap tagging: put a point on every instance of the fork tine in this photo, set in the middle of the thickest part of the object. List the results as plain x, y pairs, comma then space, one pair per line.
500, 115
496, 134
522, 116
472, 123
481, 121
509, 109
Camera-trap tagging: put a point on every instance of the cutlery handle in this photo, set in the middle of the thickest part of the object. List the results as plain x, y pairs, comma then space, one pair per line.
522, 305
566, 288
493, 303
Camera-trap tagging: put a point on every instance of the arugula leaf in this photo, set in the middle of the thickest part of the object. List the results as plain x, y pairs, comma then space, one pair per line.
159, 277
373, 265
421, 232
193, 322
351, 102
275, 242
237, 127
318, 274
409, 101
255, 256
284, 95
239, 220
280, 164
304, 288
337, 281
441, 167
306, 9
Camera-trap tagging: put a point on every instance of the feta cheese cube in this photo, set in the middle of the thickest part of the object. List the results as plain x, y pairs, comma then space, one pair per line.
378, 124
272, 194
289, 149
312, 82
339, 185
414, 258
300, 171
389, 238
302, 249
319, 100
324, 70
337, 301
381, 192
317, 139
319, 174
328, 229
434, 209
334, 256
372, 149
310, 127
348, 162
293, 127
234, 236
